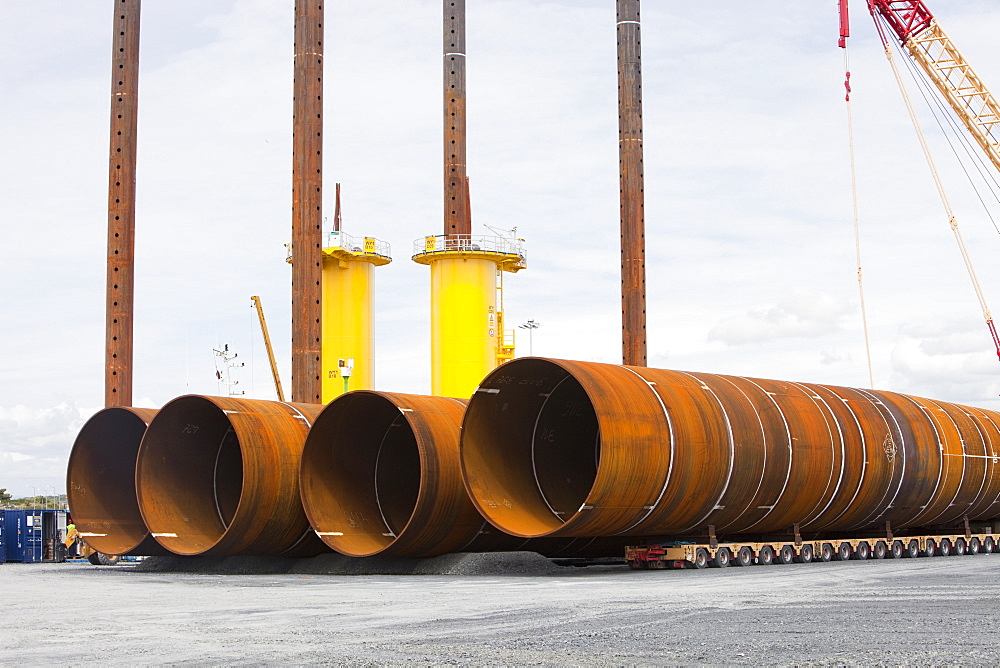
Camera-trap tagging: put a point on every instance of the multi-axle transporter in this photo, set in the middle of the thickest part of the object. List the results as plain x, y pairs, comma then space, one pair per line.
718, 554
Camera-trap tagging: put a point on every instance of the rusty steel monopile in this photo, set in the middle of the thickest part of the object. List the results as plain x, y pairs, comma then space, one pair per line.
219, 476
381, 475
100, 482
307, 202
121, 205
563, 448
457, 216
632, 198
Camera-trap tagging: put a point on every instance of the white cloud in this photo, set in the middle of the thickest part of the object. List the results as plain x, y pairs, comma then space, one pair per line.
801, 315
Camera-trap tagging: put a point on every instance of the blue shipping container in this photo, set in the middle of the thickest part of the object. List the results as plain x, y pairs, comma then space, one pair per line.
30, 536
3, 550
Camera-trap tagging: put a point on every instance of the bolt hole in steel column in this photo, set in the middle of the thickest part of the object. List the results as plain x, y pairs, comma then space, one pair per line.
219, 476
100, 482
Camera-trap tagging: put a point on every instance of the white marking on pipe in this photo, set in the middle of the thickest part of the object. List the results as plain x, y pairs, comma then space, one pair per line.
230, 412
329, 533
88, 534
389, 535
455, 53
624, 22
405, 410
164, 535
488, 391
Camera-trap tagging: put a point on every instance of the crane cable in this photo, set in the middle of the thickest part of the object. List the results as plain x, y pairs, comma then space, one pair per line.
952, 220
857, 217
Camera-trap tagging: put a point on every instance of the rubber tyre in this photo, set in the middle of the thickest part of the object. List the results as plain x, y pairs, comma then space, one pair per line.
766, 556
844, 552
94, 558
744, 557
897, 550
826, 552
930, 548
989, 545
944, 548
975, 546
880, 550
805, 554
912, 549
960, 547
700, 558
786, 555
722, 558
863, 551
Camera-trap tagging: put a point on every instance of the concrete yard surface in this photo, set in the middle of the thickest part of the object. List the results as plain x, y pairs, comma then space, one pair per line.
927, 611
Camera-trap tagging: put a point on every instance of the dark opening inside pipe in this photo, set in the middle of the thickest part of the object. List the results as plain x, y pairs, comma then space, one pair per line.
562, 448
100, 482
219, 476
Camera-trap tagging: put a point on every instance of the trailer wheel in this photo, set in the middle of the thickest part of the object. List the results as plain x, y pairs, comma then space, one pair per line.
844, 552
700, 558
826, 552
960, 547
863, 551
912, 549
722, 558
880, 550
944, 548
975, 546
766, 556
930, 548
989, 545
786, 554
805, 554
897, 549
744, 557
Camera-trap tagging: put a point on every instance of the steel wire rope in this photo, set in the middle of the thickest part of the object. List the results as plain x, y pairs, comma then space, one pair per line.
857, 218
952, 220
939, 110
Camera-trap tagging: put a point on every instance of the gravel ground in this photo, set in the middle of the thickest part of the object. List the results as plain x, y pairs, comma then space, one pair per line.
910, 612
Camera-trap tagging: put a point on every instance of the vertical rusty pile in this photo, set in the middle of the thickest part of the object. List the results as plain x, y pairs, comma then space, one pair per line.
633, 234
121, 205
457, 217
307, 201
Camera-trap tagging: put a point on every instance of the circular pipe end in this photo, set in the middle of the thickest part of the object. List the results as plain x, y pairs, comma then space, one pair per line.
531, 447
100, 481
374, 464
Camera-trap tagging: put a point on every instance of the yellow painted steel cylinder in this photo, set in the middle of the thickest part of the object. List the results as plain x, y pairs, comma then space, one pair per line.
463, 324
348, 324
563, 448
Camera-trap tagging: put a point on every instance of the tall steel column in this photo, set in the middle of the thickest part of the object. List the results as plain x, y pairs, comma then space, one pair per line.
633, 234
457, 217
307, 202
121, 205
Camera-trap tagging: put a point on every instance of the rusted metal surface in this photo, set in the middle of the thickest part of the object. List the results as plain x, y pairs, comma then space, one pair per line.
100, 482
307, 202
121, 205
561, 448
219, 476
457, 217
381, 474
633, 225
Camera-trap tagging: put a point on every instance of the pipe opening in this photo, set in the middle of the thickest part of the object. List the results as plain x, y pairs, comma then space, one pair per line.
101, 480
190, 475
531, 447
360, 475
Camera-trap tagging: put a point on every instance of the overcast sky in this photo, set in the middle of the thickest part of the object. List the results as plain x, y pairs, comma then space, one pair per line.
750, 242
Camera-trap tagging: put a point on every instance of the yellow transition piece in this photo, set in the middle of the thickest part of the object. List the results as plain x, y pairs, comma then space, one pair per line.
348, 323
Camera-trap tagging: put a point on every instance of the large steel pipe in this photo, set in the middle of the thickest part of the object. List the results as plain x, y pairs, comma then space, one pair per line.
561, 448
219, 476
381, 475
100, 482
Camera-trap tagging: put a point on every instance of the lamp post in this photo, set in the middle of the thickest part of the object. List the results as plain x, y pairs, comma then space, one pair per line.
531, 326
